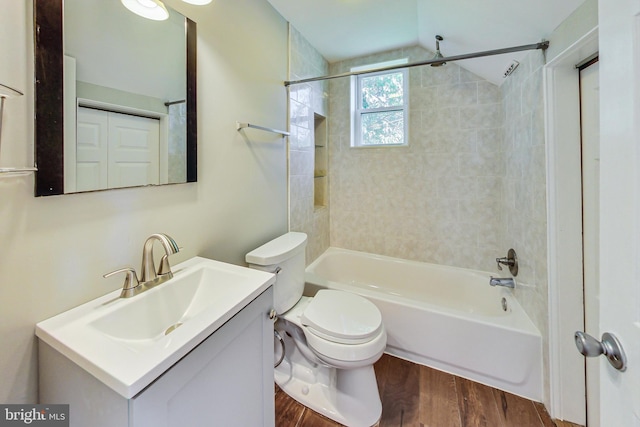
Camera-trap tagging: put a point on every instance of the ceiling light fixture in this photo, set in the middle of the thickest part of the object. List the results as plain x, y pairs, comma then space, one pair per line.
150, 9
198, 2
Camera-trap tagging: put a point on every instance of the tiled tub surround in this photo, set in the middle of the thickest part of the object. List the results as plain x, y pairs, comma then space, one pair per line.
306, 100
438, 199
525, 204
470, 185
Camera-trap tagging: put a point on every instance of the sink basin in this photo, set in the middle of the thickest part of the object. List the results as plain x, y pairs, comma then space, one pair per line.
149, 319
127, 343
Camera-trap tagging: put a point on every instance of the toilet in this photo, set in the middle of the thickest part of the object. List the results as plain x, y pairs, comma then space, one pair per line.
327, 344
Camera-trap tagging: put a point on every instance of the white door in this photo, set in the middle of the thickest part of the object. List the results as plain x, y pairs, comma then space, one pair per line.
91, 150
619, 22
134, 150
590, 138
116, 150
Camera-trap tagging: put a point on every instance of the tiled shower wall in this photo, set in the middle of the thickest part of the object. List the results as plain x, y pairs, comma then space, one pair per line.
440, 198
525, 196
525, 203
306, 100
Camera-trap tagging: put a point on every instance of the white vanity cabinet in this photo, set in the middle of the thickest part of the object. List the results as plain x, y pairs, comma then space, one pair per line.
226, 380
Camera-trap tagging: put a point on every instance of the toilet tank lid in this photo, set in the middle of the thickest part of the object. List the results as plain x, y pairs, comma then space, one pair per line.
278, 249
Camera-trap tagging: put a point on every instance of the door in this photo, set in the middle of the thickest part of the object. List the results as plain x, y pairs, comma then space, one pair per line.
590, 148
116, 150
134, 150
619, 23
91, 150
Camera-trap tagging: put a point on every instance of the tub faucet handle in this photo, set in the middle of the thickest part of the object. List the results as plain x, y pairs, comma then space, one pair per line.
504, 261
511, 260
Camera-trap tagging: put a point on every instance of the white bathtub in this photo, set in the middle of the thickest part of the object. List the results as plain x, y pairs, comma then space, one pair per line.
443, 317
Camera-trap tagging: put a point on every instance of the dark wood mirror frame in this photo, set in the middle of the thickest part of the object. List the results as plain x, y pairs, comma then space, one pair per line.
49, 131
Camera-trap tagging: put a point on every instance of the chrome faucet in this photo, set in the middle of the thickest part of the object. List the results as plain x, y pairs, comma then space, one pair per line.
507, 282
148, 273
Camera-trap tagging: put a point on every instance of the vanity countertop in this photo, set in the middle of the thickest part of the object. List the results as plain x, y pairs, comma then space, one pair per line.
127, 343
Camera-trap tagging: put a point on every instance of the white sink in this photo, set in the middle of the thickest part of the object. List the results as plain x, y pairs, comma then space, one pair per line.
128, 343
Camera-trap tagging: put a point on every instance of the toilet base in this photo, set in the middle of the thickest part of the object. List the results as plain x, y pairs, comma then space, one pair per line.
347, 396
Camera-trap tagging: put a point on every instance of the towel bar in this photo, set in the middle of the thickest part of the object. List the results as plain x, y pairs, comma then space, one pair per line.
240, 126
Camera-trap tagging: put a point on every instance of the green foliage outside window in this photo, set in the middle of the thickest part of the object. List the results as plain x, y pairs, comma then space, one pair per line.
383, 128
382, 90
381, 109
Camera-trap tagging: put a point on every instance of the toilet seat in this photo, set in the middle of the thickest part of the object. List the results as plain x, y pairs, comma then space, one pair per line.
368, 342
342, 317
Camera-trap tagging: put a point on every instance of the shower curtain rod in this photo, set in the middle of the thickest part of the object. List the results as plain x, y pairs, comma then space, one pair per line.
541, 45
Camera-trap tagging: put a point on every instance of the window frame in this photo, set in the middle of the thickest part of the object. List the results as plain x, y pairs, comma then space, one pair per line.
356, 102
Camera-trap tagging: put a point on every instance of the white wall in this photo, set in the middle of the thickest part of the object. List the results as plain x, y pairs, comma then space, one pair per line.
55, 249
140, 56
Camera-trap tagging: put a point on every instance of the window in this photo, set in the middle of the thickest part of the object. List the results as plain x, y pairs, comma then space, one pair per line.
380, 106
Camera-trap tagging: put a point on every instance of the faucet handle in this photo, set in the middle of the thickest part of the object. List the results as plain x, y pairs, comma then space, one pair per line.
130, 281
165, 267
511, 260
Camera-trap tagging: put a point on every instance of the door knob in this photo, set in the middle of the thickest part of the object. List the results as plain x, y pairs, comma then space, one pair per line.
588, 346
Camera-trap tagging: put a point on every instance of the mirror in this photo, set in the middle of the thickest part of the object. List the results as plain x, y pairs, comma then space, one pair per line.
115, 97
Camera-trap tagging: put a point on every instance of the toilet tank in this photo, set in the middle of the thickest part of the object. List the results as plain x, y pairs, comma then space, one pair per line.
285, 257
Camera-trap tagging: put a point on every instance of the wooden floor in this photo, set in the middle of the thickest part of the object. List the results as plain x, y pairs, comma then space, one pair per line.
416, 396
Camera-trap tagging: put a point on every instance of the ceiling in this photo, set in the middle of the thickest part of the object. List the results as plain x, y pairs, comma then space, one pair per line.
342, 29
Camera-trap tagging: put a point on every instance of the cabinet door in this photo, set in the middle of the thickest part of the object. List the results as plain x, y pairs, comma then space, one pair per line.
226, 381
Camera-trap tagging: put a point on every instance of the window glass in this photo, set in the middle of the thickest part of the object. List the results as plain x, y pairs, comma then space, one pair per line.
381, 128
382, 90
380, 107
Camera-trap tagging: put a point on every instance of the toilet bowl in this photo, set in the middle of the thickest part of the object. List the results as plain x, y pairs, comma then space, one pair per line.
330, 341
346, 339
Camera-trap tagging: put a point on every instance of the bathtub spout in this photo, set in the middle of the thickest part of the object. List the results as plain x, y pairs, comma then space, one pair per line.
507, 282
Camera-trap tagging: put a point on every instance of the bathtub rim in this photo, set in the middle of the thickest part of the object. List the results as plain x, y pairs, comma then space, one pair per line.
314, 282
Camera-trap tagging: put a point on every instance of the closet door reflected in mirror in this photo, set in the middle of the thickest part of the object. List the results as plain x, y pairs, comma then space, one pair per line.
127, 68
115, 150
